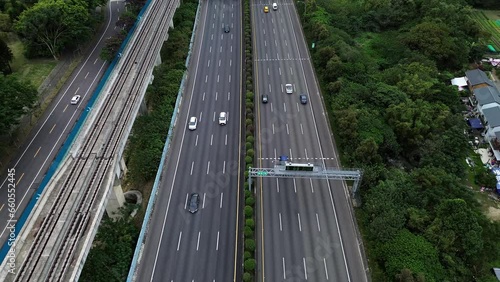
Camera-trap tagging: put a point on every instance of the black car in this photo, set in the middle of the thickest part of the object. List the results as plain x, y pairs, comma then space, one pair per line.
226, 28
303, 99
264, 98
194, 202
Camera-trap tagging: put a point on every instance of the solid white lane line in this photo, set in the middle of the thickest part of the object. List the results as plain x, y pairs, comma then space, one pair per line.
317, 220
301, 129
179, 241
281, 226
312, 187
284, 107
224, 167
204, 197
305, 267
211, 139
291, 157
294, 186
196, 142
272, 125
225, 143
192, 165
186, 204
208, 167
217, 246
277, 185
300, 224
287, 131
275, 155
284, 269
221, 197
198, 243
326, 269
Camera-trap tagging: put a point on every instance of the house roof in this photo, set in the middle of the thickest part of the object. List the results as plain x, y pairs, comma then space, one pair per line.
491, 113
497, 272
486, 95
459, 81
477, 76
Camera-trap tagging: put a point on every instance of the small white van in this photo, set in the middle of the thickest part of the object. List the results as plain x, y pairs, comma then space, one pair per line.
275, 6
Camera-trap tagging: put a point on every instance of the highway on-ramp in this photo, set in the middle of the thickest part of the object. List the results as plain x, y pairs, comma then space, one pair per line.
305, 228
181, 246
42, 145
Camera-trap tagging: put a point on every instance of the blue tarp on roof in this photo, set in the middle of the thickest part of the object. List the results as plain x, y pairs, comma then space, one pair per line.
475, 123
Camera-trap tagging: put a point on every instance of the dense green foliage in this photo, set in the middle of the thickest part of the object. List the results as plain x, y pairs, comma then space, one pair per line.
16, 99
384, 68
112, 250
50, 27
150, 129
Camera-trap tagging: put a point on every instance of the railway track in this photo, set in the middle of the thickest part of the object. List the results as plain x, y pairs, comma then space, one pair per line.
53, 249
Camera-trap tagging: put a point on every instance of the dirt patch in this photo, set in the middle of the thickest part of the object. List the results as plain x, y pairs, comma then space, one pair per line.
493, 214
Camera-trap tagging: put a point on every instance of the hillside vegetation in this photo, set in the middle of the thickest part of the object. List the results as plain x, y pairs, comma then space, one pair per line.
384, 69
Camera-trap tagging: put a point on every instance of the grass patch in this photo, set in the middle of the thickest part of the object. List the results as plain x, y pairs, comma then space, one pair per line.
35, 70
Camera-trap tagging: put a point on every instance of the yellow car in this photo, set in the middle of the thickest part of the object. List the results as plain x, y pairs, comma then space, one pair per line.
266, 9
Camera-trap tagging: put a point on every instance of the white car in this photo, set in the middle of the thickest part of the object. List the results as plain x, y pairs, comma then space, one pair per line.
222, 118
288, 88
275, 6
75, 99
192, 123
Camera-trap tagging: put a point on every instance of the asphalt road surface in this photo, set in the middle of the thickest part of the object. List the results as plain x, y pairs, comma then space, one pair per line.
42, 145
181, 246
306, 229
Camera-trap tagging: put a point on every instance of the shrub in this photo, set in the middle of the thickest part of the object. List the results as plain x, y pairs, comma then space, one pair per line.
248, 160
249, 264
250, 222
249, 145
248, 193
249, 95
250, 152
250, 245
247, 277
248, 212
248, 231
250, 201
250, 139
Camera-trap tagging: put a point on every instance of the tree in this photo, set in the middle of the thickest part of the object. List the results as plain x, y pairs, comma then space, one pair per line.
16, 99
51, 26
455, 231
5, 58
413, 252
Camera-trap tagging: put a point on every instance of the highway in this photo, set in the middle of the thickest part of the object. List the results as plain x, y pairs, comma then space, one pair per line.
43, 143
305, 227
181, 246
